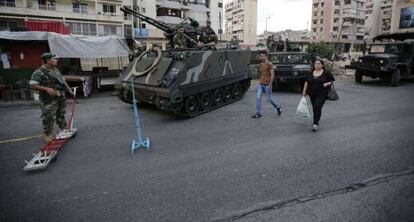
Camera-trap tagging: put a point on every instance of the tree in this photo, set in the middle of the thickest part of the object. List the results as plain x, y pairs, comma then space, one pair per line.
320, 49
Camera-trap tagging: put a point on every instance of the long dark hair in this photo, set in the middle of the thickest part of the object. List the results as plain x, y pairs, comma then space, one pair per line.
313, 65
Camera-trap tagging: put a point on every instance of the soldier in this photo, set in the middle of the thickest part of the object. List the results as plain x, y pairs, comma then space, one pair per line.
208, 35
234, 43
179, 40
51, 85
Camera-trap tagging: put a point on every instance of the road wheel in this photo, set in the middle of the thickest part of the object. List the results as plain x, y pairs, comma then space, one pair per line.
358, 76
227, 93
205, 100
237, 91
395, 78
191, 105
217, 97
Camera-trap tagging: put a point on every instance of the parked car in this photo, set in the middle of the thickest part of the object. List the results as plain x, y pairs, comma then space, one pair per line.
290, 67
387, 61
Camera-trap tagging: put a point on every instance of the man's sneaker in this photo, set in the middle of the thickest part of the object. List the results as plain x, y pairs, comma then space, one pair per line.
257, 115
314, 128
279, 111
48, 138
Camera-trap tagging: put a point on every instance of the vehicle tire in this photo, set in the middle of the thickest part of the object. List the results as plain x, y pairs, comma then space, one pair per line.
237, 91
227, 93
395, 78
358, 76
217, 97
191, 105
205, 100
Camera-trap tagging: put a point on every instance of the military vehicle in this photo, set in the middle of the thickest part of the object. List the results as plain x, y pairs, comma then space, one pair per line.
189, 81
290, 68
387, 61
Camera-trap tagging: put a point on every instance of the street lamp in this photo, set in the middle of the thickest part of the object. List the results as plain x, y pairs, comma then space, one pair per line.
266, 23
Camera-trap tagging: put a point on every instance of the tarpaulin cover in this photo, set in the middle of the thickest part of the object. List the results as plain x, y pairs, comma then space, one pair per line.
65, 46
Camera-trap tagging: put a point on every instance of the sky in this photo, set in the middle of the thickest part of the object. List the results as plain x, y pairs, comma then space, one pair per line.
284, 14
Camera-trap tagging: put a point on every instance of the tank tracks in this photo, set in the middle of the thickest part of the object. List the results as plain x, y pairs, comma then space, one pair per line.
202, 102
207, 101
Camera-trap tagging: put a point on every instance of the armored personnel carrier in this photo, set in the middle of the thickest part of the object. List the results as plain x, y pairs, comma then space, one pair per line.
188, 81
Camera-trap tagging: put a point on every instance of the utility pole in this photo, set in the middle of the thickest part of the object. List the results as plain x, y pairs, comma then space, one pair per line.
266, 23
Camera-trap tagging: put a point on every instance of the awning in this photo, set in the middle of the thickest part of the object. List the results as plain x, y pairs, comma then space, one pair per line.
65, 46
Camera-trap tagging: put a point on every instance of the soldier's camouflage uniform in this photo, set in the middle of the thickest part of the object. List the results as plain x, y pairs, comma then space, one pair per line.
208, 35
53, 107
180, 40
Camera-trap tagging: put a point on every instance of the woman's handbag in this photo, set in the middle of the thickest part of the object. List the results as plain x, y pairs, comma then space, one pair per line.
332, 94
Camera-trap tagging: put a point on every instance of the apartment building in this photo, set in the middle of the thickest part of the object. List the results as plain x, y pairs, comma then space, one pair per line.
82, 17
402, 16
104, 17
339, 20
173, 12
372, 24
389, 17
241, 20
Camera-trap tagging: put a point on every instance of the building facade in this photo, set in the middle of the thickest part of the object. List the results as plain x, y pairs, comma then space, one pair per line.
340, 21
241, 20
173, 12
103, 18
85, 17
389, 17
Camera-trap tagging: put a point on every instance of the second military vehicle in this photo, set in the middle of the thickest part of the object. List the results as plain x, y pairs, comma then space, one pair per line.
187, 81
290, 67
387, 61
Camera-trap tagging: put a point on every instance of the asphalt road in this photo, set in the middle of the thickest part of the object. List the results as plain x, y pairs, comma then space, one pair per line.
217, 166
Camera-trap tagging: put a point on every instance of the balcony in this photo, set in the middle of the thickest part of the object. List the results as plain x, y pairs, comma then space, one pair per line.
7, 3
52, 12
47, 7
169, 19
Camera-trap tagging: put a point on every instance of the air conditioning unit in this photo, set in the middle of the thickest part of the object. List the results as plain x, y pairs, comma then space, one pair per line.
113, 14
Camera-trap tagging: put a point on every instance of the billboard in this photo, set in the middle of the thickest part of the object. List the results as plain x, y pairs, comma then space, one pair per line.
407, 18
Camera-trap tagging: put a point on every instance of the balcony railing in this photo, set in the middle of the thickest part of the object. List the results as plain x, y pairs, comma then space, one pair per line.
7, 3
47, 7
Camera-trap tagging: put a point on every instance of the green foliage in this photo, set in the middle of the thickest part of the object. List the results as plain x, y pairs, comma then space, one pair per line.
320, 49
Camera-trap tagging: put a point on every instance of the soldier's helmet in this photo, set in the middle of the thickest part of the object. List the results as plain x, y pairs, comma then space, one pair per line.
47, 56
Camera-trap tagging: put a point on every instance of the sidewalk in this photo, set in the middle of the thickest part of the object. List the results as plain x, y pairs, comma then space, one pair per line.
19, 104
384, 198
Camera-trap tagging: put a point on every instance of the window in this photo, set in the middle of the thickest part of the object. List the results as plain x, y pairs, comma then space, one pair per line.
348, 2
8, 3
80, 8
105, 30
127, 31
321, 29
336, 12
49, 5
337, 3
82, 28
335, 28
220, 5
321, 21
143, 25
322, 4
143, 10
109, 9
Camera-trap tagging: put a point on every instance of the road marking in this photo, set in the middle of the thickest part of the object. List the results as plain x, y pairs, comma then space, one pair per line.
20, 139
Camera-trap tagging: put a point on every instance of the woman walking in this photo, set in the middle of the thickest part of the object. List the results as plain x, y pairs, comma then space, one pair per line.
316, 86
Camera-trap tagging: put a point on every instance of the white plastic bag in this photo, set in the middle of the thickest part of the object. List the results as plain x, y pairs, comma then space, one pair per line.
303, 109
